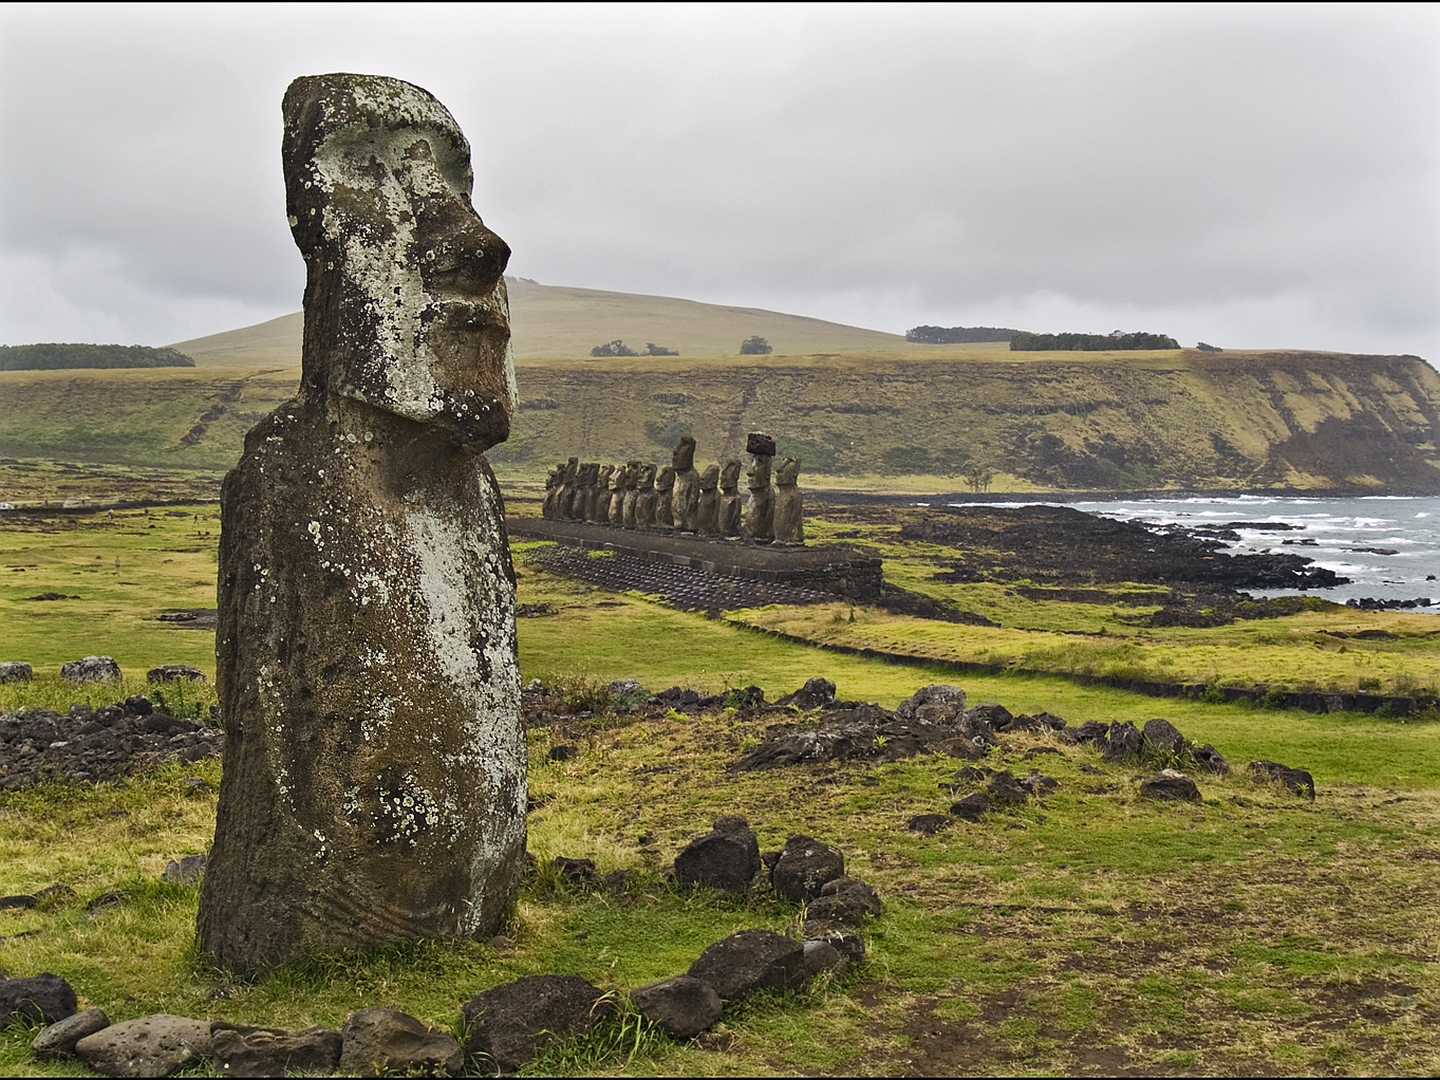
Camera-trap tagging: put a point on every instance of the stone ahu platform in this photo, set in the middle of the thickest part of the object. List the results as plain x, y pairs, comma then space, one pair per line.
787, 574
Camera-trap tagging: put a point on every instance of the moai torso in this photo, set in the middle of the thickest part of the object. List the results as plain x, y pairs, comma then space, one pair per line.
632, 494
374, 785
789, 518
685, 502
731, 502
620, 481
600, 507
664, 498
760, 510
707, 515
569, 489
584, 504
645, 499
550, 507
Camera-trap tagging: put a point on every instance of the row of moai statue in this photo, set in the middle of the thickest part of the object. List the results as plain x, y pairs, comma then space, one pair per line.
636, 495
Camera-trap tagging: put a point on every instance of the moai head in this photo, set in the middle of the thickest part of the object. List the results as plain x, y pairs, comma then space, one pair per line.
588, 471
730, 477
602, 476
617, 478
683, 458
647, 478
552, 478
405, 302
710, 478
787, 472
758, 475
572, 470
665, 481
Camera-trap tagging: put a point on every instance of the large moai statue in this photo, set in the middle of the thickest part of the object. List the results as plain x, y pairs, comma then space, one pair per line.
665, 498
569, 488
707, 514
619, 484
760, 509
374, 785
633, 472
599, 510
585, 491
731, 501
645, 498
789, 515
685, 500
550, 508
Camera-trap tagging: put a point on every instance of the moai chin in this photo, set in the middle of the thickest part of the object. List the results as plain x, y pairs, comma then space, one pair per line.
685, 499
664, 498
789, 515
707, 516
731, 503
760, 510
374, 785
600, 508
645, 498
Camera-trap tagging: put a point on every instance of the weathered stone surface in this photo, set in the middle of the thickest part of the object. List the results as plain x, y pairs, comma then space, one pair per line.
1163, 736
374, 784
751, 960
645, 499
1004, 788
789, 511
847, 943
15, 671
707, 512
1169, 784
380, 1042
1210, 760
665, 498
569, 484
1297, 780
91, 669
815, 694
173, 672
59, 1038
1122, 742
732, 505
760, 505
685, 498
928, 824
805, 866
846, 902
820, 957
728, 857
636, 473
682, 1006
757, 442
1039, 784
947, 703
185, 869
41, 999
1092, 731
512, 1023
155, 1045
971, 807
600, 512
241, 1050
622, 481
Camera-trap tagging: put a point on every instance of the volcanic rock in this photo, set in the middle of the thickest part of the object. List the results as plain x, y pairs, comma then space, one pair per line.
15, 671
513, 1022
804, 867
41, 999
90, 669
59, 1039
1297, 780
682, 1006
171, 672
1123, 742
155, 1045
378, 1042
1163, 736
726, 858
971, 807
240, 1050
815, 694
1169, 784
750, 960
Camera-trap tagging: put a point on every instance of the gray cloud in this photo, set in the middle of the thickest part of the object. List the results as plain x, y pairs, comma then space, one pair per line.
1256, 177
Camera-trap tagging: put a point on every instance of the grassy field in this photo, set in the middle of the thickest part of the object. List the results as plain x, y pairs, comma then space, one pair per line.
1094, 932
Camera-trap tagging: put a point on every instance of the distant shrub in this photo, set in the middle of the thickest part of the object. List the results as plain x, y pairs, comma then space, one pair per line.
1205, 346
651, 349
957, 335
1027, 342
613, 348
51, 357
755, 346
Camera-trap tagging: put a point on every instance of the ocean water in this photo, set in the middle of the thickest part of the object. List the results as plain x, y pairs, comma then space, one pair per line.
1406, 525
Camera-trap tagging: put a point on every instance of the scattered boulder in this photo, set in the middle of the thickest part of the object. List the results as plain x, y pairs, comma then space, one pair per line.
1169, 784
943, 703
173, 673
155, 1045
990, 715
682, 1006
1122, 742
184, 870
750, 960
845, 902
971, 807
576, 871
91, 669
815, 694
241, 1050
928, 824
726, 858
969, 774
1092, 731
821, 957
1208, 759
377, 1042
1039, 784
513, 1022
1297, 780
58, 1040
1004, 788
15, 671
42, 999
847, 943
804, 867
1162, 736
627, 694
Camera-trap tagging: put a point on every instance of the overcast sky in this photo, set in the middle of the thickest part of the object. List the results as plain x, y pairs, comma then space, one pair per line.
1248, 176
